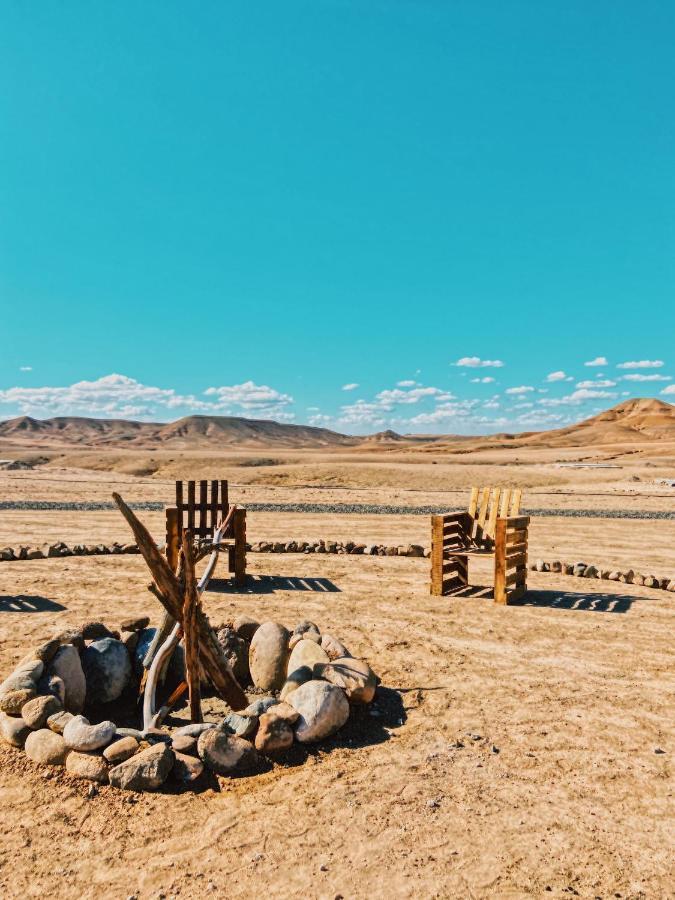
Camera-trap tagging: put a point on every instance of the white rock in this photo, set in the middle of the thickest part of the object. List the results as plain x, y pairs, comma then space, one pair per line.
323, 709
80, 735
268, 656
304, 656
66, 664
45, 747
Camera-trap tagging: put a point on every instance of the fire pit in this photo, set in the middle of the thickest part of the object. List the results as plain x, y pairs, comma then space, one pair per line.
74, 702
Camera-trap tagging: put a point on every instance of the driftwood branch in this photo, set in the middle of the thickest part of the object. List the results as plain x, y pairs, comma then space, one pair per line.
190, 631
170, 595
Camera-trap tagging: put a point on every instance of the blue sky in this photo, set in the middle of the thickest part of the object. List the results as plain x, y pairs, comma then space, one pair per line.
242, 209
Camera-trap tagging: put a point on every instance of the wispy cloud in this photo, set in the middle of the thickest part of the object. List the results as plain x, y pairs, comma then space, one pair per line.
522, 389
558, 376
669, 390
642, 364
487, 380
598, 361
352, 386
475, 362
641, 377
25, 368
598, 383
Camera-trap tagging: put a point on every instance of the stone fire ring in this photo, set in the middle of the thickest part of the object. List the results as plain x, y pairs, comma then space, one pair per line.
306, 682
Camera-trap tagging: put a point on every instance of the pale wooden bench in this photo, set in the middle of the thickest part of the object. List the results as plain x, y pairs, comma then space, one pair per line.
492, 526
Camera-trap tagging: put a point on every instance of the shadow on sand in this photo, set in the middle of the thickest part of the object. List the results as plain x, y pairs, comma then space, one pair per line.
268, 584
573, 600
25, 603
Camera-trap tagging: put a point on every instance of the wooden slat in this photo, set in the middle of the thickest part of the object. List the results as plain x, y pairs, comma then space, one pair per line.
437, 556
482, 512
173, 539
214, 506
520, 559
515, 502
516, 537
500, 564
203, 508
512, 549
504, 505
191, 507
515, 577
224, 498
179, 504
473, 502
492, 517
239, 566
517, 522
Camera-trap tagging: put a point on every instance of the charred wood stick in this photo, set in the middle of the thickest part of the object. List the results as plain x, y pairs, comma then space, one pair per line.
190, 633
168, 591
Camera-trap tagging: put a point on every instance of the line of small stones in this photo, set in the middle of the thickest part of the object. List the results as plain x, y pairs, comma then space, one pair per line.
60, 549
584, 570
335, 508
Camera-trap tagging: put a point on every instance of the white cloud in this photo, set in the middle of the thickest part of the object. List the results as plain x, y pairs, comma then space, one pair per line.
642, 364
523, 389
669, 390
388, 399
407, 383
352, 386
639, 377
487, 380
474, 362
598, 361
25, 368
558, 376
596, 384
523, 405
120, 396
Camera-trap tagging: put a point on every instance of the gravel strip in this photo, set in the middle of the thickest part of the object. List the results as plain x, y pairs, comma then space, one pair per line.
336, 508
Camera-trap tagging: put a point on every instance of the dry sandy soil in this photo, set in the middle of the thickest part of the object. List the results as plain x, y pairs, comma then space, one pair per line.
516, 754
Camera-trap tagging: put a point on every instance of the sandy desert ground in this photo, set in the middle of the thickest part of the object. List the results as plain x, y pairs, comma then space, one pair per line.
521, 751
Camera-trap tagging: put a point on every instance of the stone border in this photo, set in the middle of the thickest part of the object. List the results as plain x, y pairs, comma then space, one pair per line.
60, 549
311, 681
586, 570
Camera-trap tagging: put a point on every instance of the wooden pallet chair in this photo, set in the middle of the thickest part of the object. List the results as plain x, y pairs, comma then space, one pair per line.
200, 507
492, 526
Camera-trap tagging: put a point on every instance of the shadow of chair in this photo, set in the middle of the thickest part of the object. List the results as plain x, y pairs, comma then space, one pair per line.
269, 584
571, 600
24, 603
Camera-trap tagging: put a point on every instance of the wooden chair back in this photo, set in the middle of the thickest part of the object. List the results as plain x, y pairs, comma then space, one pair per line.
486, 505
201, 508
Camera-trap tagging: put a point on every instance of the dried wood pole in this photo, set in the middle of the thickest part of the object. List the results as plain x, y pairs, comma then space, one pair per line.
190, 632
168, 590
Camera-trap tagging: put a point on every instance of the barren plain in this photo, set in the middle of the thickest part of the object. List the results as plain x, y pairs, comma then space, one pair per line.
518, 751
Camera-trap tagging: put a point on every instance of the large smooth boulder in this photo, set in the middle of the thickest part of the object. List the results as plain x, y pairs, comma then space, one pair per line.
245, 627
66, 664
268, 656
80, 735
146, 771
305, 654
323, 709
107, 669
225, 753
243, 726
120, 750
46, 747
354, 676
21, 686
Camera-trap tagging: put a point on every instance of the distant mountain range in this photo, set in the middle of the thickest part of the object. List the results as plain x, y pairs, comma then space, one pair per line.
630, 421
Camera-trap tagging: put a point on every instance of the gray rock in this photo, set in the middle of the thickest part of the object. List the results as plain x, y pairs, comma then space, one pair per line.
80, 735
308, 630
258, 707
46, 747
235, 650
354, 676
53, 685
46, 651
245, 627
579, 569
88, 766
95, 631
195, 728
13, 730
243, 726
146, 771
323, 709
120, 750
268, 656
66, 664
12, 702
121, 732
58, 721
183, 743
225, 753
36, 712
186, 769
591, 572
137, 624
107, 669
334, 648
